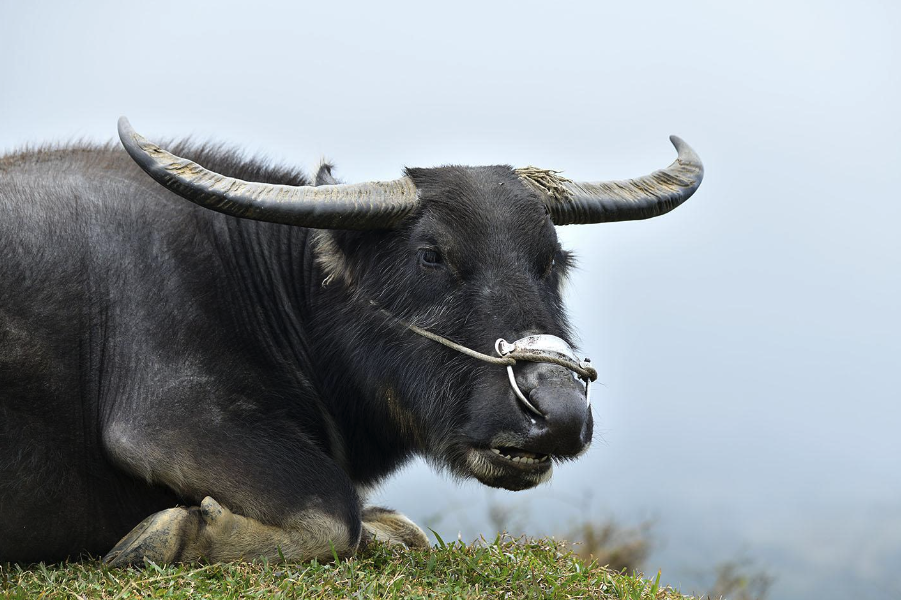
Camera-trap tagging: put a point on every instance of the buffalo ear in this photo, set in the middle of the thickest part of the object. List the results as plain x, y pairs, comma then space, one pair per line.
330, 257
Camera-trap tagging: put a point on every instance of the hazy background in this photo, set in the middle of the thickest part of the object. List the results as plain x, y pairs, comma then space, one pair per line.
748, 342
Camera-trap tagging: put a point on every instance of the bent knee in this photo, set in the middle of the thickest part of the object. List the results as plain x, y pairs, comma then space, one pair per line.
309, 533
325, 533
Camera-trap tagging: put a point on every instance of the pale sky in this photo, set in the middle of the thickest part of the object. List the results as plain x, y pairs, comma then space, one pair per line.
748, 342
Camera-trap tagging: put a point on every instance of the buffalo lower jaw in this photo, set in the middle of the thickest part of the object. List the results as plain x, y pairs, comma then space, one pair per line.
495, 470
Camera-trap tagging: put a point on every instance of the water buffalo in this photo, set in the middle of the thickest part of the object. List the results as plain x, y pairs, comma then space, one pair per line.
233, 381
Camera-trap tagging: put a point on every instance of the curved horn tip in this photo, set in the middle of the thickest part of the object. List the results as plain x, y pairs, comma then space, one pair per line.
686, 152
124, 126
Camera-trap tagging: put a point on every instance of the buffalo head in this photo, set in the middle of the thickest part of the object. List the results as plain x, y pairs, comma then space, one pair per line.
469, 254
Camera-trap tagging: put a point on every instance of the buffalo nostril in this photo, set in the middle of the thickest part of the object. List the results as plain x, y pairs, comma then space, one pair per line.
522, 398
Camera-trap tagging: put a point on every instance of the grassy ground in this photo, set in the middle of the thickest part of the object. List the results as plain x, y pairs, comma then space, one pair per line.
502, 569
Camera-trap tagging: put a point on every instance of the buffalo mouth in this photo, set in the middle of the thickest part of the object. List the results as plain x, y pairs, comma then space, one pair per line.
509, 467
518, 455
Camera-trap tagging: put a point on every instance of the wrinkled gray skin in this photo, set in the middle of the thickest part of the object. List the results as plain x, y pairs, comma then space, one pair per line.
228, 384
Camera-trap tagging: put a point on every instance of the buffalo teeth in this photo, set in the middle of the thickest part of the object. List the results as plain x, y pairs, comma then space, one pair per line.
521, 459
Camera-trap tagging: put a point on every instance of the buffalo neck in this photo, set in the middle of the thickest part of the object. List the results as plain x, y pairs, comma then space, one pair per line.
286, 314
263, 263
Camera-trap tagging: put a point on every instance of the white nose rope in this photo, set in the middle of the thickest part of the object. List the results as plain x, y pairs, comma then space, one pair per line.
533, 348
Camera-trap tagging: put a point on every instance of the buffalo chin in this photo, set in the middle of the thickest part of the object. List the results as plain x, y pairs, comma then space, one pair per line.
496, 471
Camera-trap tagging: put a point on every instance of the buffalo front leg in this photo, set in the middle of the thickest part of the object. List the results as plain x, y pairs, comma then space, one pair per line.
391, 527
214, 533
254, 489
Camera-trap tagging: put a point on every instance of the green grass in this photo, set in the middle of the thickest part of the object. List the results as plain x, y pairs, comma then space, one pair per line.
502, 569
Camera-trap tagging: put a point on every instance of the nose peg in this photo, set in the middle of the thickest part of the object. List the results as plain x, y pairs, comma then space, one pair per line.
548, 349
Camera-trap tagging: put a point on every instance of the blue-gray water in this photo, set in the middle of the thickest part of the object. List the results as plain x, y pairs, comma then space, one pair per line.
748, 342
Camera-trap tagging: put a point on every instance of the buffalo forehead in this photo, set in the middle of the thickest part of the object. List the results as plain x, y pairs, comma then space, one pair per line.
473, 209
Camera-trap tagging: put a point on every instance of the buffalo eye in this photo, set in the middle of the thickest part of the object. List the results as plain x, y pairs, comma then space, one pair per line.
429, 257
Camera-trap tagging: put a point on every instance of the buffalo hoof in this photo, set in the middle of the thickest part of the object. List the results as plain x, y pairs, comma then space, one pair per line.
160, 537
393, 528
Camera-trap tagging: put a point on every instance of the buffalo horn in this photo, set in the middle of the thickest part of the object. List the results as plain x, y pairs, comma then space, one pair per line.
571, 202
372, 205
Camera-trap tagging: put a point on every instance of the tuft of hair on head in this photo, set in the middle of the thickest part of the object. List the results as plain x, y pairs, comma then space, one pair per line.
324, 174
